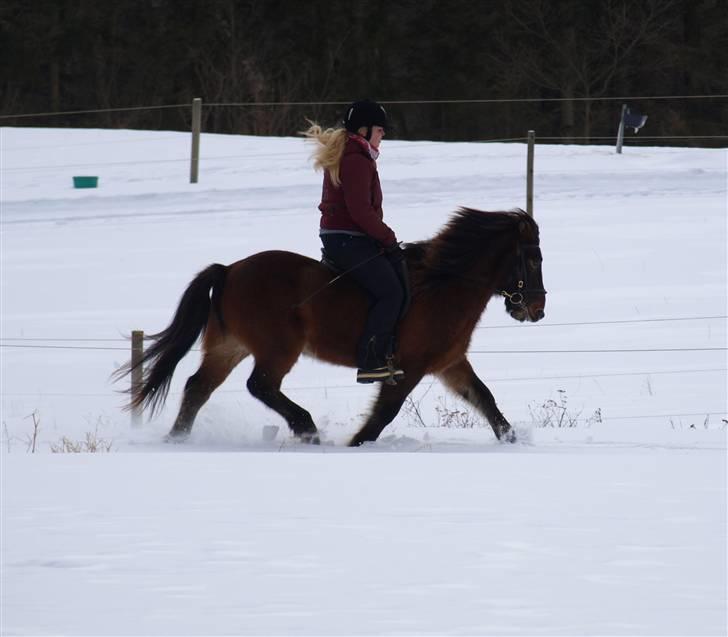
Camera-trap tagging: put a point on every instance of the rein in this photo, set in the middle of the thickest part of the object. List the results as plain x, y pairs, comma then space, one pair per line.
517, 297
336, 278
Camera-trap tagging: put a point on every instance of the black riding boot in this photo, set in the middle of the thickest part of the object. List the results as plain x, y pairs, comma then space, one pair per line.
377, 364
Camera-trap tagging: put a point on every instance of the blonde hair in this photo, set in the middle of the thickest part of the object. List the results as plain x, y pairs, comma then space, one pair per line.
329, 150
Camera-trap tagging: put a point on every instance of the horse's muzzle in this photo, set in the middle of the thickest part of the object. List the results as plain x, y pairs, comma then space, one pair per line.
520, 314
527, 313
535, 312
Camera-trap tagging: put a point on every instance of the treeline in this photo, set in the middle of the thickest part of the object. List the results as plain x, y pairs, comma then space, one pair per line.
66, 55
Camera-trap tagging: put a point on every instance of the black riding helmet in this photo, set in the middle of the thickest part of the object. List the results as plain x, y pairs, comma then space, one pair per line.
364, 113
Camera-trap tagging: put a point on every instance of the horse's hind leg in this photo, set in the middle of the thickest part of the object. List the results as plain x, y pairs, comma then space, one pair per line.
461, 379
265, 382
217, 363
386, 408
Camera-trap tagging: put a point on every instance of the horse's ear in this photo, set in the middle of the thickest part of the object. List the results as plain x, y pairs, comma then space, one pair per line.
522, 227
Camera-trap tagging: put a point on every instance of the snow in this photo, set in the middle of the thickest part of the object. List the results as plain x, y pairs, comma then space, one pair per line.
616, 525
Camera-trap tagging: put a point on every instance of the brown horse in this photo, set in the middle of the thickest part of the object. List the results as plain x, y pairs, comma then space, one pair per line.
277, 305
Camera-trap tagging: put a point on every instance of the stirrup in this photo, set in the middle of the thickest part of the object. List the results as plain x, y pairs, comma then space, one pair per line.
388, 374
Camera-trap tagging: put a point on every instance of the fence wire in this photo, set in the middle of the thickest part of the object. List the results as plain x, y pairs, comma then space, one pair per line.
294, 388
25, 342
59, 339
253, 104
185, 160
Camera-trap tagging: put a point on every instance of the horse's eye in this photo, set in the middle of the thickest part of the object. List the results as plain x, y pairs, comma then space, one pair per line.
533, 264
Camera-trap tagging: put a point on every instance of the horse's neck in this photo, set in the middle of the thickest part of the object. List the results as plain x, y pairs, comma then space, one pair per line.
461, 298
468, 300
467, 294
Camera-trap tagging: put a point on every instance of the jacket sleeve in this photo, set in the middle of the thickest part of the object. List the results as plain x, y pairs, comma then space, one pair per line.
357, 172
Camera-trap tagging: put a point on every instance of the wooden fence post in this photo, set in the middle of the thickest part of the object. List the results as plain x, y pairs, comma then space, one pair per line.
529, 173
137, 374
620, 131
196, 125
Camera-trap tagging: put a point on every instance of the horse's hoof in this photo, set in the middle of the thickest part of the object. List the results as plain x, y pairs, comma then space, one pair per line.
359, 442
176, 437
509, 436
311, 438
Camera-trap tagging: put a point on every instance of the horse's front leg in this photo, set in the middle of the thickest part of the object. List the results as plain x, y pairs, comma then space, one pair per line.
461, 379
386, 408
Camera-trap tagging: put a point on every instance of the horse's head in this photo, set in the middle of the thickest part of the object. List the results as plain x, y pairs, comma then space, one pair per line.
525, 296
499, 251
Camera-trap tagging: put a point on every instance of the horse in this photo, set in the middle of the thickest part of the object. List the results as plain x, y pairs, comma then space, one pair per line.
277, 305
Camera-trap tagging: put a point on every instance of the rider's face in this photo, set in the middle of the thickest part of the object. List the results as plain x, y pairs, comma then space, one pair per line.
377, 136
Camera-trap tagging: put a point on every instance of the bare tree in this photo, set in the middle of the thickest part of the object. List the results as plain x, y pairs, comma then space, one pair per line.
577, 50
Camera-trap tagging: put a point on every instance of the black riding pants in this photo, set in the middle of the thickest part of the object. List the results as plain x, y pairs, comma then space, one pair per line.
378, 276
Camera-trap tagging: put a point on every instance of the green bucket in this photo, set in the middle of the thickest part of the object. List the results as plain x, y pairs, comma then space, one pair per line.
85, 182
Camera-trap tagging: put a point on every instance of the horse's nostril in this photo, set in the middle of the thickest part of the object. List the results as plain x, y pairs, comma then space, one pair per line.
540, 314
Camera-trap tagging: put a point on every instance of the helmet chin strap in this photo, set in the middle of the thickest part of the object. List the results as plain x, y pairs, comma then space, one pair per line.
368, 136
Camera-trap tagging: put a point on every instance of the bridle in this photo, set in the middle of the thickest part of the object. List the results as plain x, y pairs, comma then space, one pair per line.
517, 297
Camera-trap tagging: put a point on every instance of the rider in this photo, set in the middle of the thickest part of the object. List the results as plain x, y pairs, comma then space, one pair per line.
354, 236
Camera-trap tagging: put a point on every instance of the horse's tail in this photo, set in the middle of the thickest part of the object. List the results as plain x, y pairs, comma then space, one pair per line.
171, 344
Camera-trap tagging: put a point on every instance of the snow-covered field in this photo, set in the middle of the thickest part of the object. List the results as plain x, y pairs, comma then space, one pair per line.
615, 525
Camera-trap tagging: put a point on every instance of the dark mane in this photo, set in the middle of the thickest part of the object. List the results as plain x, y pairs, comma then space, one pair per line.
465, 238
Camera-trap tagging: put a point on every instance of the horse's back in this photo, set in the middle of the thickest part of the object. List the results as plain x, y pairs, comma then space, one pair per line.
275, 260
273, 277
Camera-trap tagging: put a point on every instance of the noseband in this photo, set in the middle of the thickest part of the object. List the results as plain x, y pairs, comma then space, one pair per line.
517, 297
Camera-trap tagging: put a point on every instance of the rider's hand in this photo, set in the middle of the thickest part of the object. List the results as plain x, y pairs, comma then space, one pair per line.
394, 253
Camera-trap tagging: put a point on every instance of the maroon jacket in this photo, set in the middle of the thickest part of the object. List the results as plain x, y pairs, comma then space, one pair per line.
356, 205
